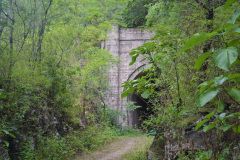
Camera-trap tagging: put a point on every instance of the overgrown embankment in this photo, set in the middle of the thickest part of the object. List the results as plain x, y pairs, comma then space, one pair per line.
192, 86
53, 77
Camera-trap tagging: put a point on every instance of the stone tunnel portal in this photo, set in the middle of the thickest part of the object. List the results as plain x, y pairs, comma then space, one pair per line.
120, 43
142, 113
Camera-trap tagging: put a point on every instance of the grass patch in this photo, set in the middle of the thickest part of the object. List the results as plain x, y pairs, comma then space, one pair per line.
139, 150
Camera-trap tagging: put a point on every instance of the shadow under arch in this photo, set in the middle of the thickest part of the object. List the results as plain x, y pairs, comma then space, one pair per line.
137, 116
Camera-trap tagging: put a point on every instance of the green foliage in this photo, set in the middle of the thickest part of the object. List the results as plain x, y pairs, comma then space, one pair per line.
65, 147
220, 106
206, 96
53, 73
201, 59
219, 123
197, 39
131, 106
235, 16
113, 116
2, 93
235, 93
228, 3
205, 155
145, 94
135, 11
224, 58
194, 65
201, 123
152, 132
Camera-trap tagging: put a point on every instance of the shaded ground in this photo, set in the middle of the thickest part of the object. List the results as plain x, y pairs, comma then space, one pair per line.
121, 149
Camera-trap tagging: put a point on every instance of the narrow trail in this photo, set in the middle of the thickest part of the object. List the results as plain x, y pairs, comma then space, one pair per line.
118, 148
117, 154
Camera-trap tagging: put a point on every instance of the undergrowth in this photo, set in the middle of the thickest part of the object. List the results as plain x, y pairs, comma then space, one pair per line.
66, 147
77, 142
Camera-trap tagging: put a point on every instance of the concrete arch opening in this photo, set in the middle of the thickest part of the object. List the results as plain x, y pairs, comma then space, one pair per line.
140, 114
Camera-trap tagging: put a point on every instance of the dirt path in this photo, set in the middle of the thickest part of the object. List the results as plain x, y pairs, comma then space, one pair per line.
119, 149
116, 155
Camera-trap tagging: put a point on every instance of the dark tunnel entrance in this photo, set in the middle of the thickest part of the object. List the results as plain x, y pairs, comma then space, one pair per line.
139, 114
142, 113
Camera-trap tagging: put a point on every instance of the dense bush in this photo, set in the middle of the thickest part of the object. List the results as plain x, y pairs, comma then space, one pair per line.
53, 75
193, 83
57, 148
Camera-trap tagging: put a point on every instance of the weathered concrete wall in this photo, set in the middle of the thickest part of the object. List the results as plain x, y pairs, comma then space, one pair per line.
120, 42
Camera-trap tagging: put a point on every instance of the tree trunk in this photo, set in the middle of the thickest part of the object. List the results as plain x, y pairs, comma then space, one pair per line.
42, 25
11, 61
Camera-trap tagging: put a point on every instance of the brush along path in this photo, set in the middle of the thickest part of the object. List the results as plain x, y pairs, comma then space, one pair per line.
121, 149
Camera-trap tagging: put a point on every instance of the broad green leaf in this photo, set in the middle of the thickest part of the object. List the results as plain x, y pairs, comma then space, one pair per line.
5, 131
221, 116
6, 143
233, 43
220, 80
237, 29
201, 59
133, 53
208, 153
234, 17
198, 38
146, 94
207, 128
236, 113
233, 76
228, 3
220, 106
235, 93
224, 58
229, 116
210, 114
127, 91
201, 123
203, 156
206, 96
236, 129
143, 59
225, 127
205, 85
133, 59
135, 84
10, 134
217, 116
125, 84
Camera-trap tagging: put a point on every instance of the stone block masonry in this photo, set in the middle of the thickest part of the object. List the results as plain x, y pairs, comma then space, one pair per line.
120, 42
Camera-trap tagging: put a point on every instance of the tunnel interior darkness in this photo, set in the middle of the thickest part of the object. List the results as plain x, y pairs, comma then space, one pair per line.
142, 113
